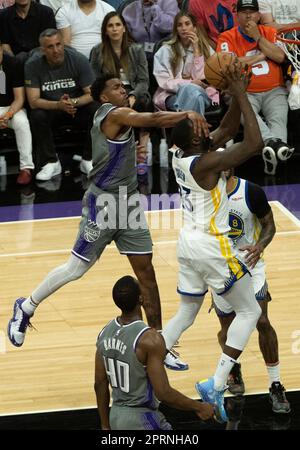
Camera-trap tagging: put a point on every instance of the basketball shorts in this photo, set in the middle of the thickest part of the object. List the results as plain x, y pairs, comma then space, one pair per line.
223, 308
206, 261
105, 218
137, 418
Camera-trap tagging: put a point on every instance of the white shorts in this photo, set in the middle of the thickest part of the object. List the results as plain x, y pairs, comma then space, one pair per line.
258, 278
206, 261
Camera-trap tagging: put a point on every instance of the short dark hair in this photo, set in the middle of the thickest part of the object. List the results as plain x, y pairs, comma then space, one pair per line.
99, 85
126, 293
182, 134
49, 32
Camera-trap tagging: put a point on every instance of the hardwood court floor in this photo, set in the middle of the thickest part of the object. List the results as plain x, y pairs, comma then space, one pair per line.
54, 368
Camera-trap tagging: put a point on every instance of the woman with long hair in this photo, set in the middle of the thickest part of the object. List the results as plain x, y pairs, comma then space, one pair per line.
179, 68
120, 55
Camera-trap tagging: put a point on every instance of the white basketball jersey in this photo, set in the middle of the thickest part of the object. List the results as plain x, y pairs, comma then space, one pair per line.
202, 209
245, 226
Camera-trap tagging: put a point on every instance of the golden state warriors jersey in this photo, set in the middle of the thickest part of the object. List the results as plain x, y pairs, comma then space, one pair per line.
205, 210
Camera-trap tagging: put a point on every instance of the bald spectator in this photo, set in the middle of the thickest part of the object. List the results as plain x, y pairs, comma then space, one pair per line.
80, 23
216, 16
280, 14
21, 25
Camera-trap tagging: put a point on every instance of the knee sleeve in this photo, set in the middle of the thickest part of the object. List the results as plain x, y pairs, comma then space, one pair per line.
183, 319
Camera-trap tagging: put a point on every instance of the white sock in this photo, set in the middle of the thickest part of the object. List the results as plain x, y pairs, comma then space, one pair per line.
29, 306
274, 373
224, 366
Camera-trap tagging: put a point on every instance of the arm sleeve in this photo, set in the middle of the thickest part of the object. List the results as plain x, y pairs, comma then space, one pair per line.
17, 75
163, 73
62, 18
257, 200
31, 71
225, 43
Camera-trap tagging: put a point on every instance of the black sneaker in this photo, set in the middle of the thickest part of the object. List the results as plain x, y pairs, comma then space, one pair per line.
235, 380
278, 399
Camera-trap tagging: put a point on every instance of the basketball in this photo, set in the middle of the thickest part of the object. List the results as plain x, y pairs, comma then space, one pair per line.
213, 66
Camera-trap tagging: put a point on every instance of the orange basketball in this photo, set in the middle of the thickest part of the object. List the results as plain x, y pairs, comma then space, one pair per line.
213, 66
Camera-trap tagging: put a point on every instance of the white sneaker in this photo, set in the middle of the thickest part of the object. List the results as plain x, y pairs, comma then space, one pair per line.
49, 171
85, 166
173, 362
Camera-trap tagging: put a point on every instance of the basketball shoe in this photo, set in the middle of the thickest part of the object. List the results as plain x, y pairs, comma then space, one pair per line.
207, 392
278, 399
18, 324
173, 362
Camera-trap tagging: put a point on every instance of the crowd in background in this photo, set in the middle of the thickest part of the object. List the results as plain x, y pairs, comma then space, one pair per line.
51, 52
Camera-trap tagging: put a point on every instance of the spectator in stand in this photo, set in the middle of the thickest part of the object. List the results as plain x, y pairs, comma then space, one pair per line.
12, 113
216, 16
6, 3
21, 25
119, 55
80, 23
280, 14
58, 90
256, 45
149, 21
179, 69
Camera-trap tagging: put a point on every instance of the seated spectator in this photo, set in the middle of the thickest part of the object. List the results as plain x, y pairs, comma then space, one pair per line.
21, 25
149, 21
58, 90
6, 3
12, 113
280, 14
179, 69
80, 23
216, 16
119, 55
255, 45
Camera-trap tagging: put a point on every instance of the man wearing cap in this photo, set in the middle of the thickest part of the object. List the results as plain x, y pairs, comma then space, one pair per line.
256, 45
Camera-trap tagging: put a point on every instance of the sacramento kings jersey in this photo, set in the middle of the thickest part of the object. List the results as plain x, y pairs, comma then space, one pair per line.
247, 203
113, 159
202, 209
127, 375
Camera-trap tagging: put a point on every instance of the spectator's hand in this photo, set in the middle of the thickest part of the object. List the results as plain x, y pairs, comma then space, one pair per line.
200, 126
254, 253
252, 30
3, 122
141, 153
65, 104
205, 411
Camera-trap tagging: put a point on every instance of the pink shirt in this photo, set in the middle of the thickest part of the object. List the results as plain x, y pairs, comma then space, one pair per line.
215, 15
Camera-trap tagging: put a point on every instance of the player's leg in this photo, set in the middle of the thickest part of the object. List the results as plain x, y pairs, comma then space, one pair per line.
144, 271
268, 344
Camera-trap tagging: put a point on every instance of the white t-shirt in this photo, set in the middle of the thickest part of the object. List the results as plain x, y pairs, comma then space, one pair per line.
283, 11
85, 29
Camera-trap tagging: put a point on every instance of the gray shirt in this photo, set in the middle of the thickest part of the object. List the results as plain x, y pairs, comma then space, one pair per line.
128, 377
70, 77
114, 160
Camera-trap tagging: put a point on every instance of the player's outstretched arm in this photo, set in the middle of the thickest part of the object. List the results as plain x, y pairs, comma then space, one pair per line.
152, 350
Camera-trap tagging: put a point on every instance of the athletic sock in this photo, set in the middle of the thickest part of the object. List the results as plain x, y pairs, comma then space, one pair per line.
224, 367
29, 306
274, 373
